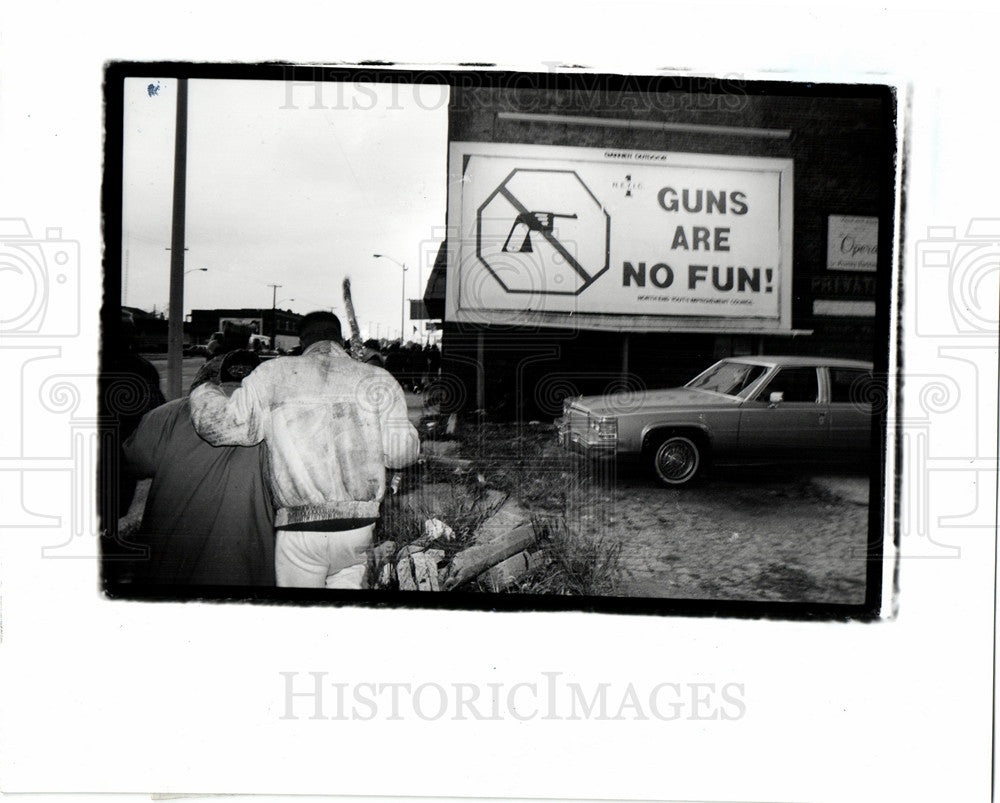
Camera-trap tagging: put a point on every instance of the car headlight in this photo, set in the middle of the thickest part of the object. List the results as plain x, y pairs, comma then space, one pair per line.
605, 427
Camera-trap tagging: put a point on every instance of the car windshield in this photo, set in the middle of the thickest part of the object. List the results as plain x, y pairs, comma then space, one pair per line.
729, 378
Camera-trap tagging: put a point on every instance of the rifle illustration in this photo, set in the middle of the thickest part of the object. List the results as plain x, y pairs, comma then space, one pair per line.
524, 224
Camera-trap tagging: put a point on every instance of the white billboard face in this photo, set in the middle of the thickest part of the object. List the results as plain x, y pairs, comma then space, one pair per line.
669, 241
255, 325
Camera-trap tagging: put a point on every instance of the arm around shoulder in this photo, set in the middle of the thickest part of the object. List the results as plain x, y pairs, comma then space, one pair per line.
222, 420
400, 441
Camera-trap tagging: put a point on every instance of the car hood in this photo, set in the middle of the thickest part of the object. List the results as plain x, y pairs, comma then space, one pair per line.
647, 400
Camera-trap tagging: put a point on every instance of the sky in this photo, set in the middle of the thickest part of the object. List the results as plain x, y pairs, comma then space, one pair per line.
282, 192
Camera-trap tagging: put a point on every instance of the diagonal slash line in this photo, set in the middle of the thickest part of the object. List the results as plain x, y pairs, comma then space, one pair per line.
522, 209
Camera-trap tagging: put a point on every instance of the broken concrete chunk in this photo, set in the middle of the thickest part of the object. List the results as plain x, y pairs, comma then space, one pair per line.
383, 552
425, 572
506, 518
385, 576
509, 571
435, 529
476, 559
405, 575
410, 549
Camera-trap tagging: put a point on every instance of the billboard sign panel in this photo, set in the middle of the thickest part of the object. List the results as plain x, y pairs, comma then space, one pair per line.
631, 240
253, 325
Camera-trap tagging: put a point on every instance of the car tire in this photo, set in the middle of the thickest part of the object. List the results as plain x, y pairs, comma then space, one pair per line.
676, 460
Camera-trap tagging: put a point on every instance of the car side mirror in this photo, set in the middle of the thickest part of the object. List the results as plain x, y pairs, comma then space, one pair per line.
776, 398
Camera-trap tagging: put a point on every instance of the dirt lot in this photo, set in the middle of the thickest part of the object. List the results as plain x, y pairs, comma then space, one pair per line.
756, 534
761, 533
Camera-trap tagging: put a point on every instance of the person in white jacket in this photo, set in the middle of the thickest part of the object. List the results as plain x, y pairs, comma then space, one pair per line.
330, 426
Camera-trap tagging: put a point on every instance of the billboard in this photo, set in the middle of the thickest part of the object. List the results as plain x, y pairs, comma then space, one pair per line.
618, 239
252, 325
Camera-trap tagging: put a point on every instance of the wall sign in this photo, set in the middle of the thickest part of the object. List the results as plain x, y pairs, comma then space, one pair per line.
852, 243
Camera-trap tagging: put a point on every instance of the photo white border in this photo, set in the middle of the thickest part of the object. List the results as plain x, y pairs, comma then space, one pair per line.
139, 697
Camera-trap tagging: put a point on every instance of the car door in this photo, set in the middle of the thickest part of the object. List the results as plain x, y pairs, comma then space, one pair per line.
796, 427
851, 391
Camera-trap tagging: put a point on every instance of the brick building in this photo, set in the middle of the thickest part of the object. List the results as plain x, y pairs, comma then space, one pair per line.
836, 146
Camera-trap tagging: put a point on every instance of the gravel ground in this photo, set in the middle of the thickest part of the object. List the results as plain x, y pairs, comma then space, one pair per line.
763, 534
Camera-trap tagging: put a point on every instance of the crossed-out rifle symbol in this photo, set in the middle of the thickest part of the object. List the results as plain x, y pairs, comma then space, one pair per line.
527, 222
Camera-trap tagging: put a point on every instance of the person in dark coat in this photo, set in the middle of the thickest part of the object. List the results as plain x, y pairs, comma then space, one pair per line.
208, 518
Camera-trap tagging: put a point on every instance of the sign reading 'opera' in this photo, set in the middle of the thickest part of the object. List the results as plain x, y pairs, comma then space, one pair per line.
852, 243
673, 241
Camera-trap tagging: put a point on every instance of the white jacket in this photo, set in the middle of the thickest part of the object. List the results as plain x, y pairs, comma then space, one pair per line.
331, 426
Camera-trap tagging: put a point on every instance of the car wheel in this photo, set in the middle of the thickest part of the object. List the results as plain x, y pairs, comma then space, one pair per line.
676, 460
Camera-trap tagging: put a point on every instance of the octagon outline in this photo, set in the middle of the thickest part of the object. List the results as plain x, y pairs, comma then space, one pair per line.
579, 269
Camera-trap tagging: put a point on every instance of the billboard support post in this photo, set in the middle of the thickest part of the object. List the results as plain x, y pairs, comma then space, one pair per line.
625, 357
480, 373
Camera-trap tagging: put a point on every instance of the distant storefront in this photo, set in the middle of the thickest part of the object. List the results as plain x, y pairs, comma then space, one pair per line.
147, 330
278, 325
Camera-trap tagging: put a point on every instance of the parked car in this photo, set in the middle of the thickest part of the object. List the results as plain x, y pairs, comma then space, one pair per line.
742, 409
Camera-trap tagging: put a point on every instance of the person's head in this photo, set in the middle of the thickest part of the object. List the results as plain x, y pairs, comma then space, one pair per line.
237, 364
318, 326
227, 370
217, 345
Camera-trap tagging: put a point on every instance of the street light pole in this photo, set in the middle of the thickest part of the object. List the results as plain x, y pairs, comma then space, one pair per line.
175, 325
402, 299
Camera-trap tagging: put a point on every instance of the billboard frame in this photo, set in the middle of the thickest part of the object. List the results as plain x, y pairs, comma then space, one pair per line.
458, 156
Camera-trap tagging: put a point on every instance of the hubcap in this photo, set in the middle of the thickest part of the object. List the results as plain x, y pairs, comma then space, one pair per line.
676, 460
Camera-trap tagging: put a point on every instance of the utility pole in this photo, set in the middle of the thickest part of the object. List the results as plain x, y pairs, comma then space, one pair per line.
274, 315
175, 326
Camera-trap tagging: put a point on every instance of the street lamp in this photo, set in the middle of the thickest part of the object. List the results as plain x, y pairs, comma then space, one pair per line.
402, 299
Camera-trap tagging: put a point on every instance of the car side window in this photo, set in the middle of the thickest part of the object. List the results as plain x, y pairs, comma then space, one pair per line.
796, 385
751, 375
849, 385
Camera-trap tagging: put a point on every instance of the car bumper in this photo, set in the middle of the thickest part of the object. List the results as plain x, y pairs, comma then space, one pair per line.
576, 441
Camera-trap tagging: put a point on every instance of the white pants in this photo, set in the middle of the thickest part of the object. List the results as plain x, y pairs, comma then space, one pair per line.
305, 559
